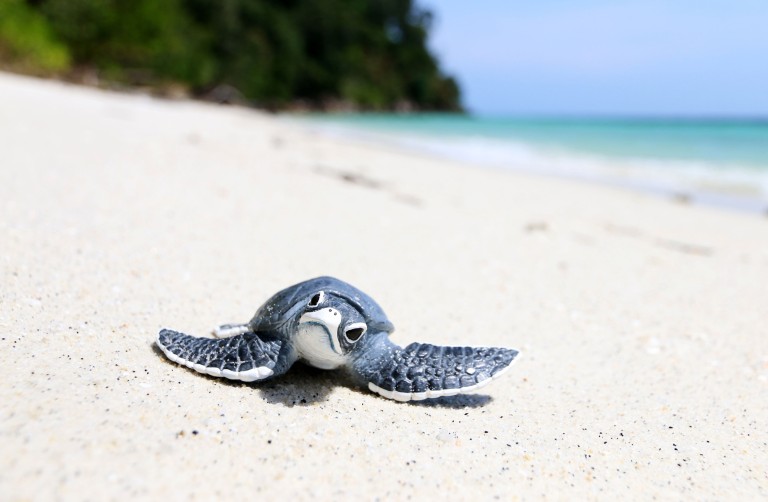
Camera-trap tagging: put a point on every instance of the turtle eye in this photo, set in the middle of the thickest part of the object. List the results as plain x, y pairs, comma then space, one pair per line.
353, 332
316, 299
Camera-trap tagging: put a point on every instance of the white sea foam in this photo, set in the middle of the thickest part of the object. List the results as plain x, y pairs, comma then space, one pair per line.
731, 184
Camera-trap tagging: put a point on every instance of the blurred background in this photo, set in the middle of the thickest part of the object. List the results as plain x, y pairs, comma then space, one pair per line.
319, 54
648, 58
652, 95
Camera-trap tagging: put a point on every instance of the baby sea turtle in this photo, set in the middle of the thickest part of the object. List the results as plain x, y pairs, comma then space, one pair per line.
330, 324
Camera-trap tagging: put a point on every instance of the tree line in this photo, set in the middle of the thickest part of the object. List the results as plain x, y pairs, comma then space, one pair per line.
365, 54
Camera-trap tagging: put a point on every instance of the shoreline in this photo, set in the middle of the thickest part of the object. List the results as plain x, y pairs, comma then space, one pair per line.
730, 186
628, 173
641, 322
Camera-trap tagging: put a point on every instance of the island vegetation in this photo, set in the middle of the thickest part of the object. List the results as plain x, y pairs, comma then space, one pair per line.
314, 54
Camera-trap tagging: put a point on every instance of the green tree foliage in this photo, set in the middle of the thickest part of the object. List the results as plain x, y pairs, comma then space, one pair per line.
137, 41
368, 53
26, 41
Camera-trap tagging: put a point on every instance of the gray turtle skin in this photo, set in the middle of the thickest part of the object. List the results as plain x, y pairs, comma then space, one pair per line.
330, 324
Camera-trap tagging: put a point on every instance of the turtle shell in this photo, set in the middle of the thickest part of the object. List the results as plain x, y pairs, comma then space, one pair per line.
281, 312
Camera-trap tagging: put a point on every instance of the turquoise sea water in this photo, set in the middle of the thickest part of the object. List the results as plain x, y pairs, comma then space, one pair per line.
722, 161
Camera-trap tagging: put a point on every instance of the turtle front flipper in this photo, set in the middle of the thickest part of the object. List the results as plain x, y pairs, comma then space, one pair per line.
422, 371
245, 357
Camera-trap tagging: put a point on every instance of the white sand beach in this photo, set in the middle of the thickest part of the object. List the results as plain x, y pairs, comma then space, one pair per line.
642, 322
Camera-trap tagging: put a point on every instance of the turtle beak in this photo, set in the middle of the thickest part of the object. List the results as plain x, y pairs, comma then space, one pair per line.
328, 318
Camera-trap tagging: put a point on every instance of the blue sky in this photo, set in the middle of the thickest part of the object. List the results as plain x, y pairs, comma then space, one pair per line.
598, 57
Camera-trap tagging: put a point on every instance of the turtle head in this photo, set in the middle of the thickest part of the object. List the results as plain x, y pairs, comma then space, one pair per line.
342, 321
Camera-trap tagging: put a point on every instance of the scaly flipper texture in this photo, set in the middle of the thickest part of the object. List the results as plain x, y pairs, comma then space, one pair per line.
244, 357
423, 371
